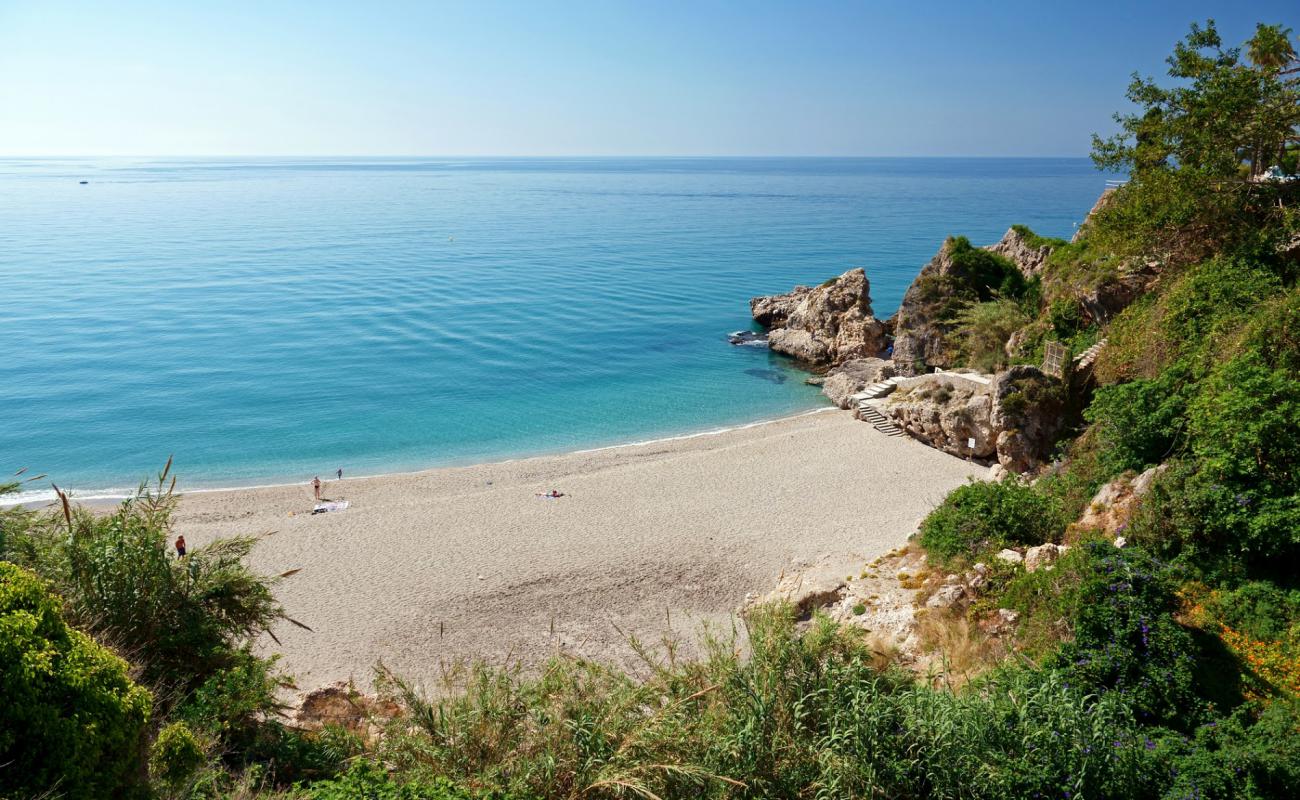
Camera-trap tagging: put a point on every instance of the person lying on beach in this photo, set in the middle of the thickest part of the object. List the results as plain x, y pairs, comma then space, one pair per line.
551, 494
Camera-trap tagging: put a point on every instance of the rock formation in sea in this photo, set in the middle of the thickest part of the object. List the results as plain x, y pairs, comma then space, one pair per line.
823, 325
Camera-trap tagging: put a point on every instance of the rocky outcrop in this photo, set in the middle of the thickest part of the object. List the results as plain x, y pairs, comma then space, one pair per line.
919, 330
1028, 411
1014, 418
1016, 247
1113, 505
825, 325
854, 375
341, 704
946, 413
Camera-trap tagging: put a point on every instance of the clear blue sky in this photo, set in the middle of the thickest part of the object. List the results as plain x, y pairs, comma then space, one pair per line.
905, 77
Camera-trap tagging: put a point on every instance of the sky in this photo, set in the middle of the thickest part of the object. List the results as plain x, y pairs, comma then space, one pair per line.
602, 78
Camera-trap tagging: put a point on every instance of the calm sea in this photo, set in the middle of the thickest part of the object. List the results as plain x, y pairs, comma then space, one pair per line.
268, 320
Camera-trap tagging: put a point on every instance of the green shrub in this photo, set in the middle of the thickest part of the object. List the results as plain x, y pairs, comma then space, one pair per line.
982, 332
1035, 241
987, 274
1065, 316
1126, 639
983, 516
368, 781
1238, 757
1140, 423
71, 721
176, 755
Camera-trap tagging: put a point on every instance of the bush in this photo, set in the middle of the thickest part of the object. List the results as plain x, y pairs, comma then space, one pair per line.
71, 720
368, 781
983, 516
1140, 423
1065, 317
176, 755
1126, 639
987, 274
1238, 757
983, 330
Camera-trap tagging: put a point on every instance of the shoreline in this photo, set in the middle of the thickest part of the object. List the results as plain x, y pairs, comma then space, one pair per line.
100, 498
652, 539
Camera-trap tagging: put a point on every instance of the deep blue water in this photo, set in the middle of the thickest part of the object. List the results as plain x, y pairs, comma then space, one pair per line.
267, 320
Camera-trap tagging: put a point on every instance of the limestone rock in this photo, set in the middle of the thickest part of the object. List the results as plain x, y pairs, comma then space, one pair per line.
1115, 502
946, 597
828, 324
773, 310
946, 413
1000, 622
811, 588
1014, 246
919, 336
1010, 556
1042, 555
853, 376
1028, 410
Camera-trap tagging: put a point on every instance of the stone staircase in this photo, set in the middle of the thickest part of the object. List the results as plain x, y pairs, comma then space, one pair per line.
867, 412
877, 390
1085, 359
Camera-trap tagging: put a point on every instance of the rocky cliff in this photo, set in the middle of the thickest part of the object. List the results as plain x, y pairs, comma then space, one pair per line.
957, 276
824, 325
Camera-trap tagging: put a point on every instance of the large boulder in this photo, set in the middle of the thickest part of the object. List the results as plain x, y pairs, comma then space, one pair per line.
854, 375
947, 413
1028, 411
825, 325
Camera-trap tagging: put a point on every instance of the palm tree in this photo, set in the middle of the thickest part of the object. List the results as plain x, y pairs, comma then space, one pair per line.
1270, 48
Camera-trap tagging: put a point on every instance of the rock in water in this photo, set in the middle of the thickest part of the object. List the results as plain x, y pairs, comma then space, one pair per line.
748, 338
826, 325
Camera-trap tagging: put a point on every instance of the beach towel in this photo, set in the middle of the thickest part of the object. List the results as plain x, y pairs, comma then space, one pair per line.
322, 508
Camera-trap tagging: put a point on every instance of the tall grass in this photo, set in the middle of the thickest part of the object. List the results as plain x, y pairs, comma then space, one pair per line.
801, 716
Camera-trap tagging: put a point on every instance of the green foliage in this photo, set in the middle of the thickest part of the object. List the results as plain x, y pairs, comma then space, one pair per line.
179, 621
983, 330
176, 756
1035, 241
803, 716
1126, 639
1217, 113
986, 274
983, 516
71, 719
1238, 756
1065, 317
368, 781
1140, 423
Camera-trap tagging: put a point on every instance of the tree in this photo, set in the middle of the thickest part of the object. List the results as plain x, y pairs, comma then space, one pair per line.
1220, 112
1270, 48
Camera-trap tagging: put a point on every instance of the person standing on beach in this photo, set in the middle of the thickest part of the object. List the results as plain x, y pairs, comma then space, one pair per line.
315, 486
180, 546
340, 473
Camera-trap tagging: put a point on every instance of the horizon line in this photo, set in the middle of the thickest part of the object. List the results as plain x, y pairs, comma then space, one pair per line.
504, 156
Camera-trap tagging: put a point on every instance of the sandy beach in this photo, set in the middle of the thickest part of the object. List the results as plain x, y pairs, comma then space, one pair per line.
426, 568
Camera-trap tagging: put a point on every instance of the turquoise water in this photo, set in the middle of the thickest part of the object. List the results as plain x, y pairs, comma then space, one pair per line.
267, 320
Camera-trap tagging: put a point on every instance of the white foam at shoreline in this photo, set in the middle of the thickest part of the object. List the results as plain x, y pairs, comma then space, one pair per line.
41, 496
